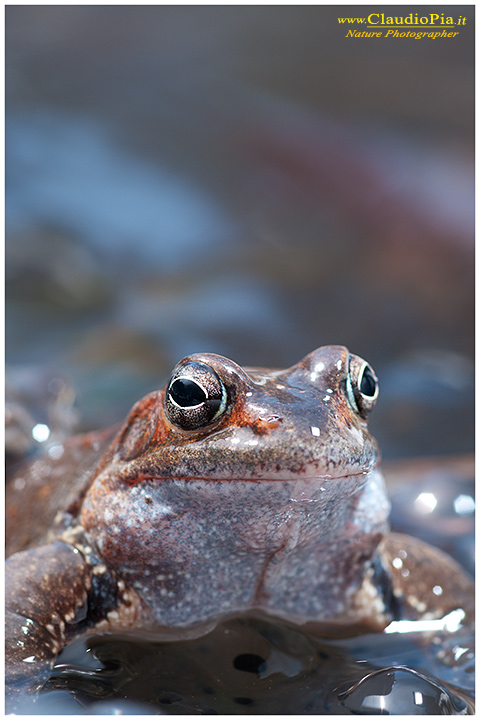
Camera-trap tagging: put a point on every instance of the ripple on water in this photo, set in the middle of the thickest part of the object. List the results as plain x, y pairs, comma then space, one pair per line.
251, 665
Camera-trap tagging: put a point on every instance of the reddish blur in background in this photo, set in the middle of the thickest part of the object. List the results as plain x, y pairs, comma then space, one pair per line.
243, 180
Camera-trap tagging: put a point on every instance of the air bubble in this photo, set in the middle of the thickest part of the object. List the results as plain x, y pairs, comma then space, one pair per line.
400, 691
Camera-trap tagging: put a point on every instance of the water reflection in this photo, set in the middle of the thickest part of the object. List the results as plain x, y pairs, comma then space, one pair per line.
400, 691
435, 499
249, 665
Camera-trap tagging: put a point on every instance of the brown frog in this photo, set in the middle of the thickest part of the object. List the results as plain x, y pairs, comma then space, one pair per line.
231, 490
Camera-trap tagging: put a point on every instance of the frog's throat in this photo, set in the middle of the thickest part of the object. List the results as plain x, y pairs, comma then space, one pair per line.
194, 549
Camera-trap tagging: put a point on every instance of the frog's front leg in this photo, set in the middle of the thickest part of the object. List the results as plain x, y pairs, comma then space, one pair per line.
46, 592
52, 594
426, 582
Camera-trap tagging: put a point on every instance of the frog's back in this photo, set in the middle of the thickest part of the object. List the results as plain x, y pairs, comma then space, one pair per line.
44, 492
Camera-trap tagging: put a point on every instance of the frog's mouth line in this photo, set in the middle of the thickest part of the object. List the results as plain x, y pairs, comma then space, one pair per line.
131, 476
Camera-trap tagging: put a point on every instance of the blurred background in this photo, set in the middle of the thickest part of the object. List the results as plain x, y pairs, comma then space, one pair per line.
243, 180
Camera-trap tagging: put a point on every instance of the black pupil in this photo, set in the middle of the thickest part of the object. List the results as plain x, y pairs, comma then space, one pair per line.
187, 393
368, 384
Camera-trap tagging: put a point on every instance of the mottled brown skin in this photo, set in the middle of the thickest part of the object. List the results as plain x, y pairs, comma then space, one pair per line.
54, 484
260, 491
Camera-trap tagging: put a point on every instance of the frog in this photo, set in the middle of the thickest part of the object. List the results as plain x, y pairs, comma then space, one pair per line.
231, 490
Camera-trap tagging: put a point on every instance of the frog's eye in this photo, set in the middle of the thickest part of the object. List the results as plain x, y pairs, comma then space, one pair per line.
195, 396
362, 386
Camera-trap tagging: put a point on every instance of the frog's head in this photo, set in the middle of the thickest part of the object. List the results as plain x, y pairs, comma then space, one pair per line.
216, 420
227, 466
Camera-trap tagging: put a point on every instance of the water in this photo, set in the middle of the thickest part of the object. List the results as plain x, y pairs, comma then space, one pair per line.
253, 665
